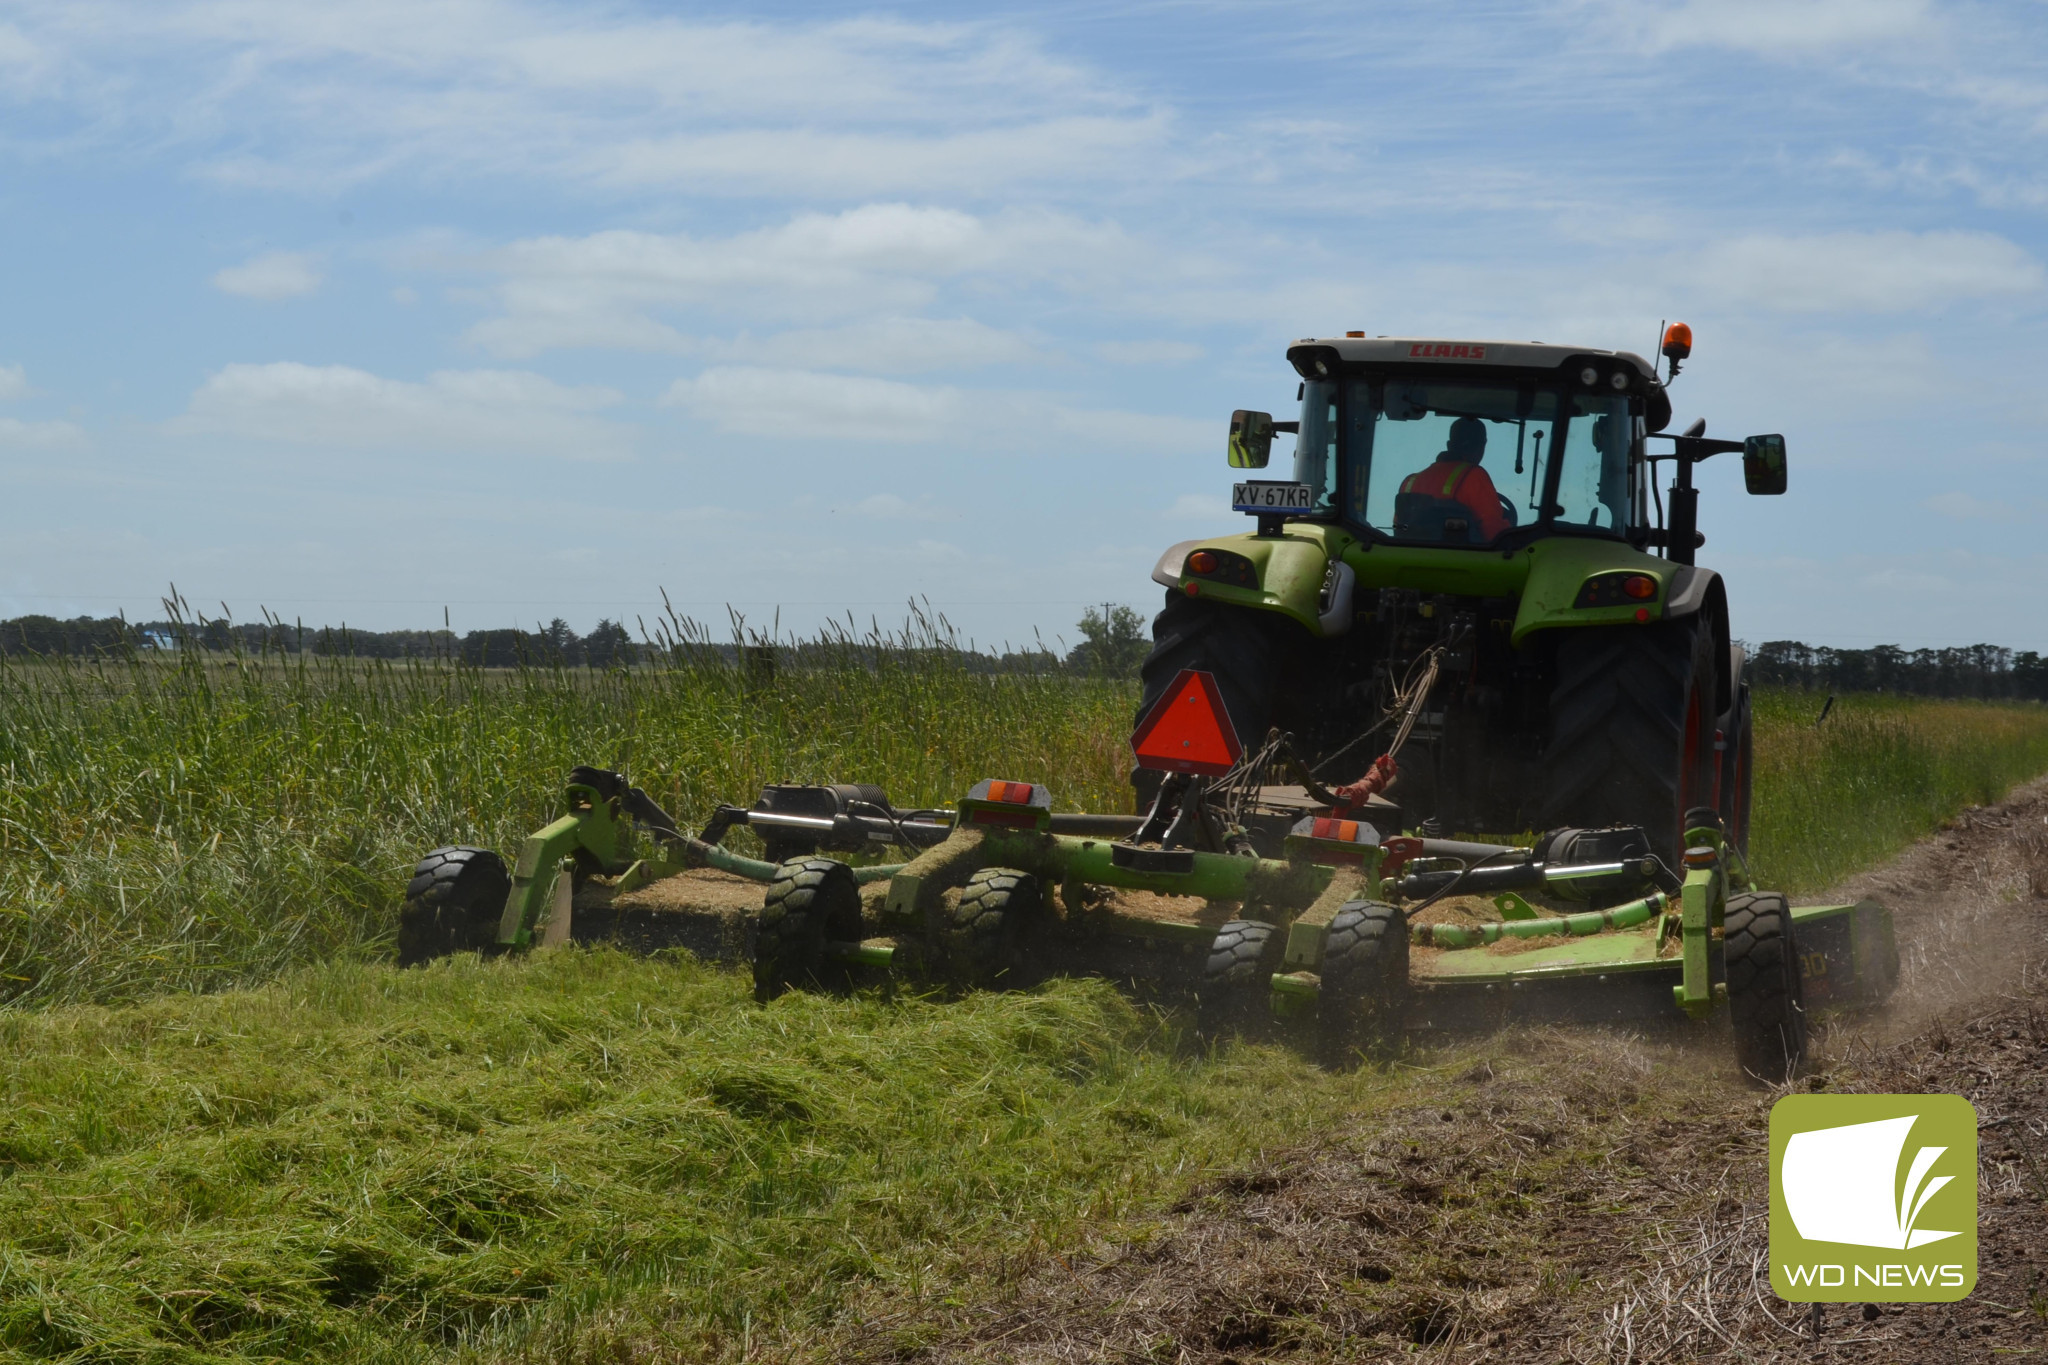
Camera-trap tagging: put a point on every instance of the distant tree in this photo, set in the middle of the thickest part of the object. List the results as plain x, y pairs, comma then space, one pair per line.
497, 648
559, 644
608, 646
1113, 642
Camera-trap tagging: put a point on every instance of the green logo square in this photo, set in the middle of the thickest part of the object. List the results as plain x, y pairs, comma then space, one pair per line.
1873, 1198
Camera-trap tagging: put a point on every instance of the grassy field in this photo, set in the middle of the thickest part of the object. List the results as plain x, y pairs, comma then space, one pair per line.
579, 1155
199, 824
194, 825
1839, 795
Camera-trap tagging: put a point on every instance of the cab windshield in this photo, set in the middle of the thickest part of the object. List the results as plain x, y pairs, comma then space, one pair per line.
1463, 463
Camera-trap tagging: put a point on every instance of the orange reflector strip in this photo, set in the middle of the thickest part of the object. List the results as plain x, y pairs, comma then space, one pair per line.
1015, 819
1010, 793
1187, 730
1347, 830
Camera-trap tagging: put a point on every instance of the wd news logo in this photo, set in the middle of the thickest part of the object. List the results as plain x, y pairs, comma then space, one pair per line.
1873, 1198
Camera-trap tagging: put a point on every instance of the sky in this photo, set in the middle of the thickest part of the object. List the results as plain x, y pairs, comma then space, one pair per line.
511, 311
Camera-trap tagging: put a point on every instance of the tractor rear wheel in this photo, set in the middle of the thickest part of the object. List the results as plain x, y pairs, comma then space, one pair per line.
1233, 999
985, 932
1766, 999
811, 902
1737, 778
452, 904
1238, 646
1632, 729
1364, 997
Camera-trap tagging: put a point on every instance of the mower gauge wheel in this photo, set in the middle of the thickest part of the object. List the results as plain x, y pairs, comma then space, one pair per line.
985, 931
1363, 1007
811, 902
1766, 995
452, 905
1234, 991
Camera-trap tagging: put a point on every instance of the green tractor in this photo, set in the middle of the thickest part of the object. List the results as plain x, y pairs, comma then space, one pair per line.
1473, 551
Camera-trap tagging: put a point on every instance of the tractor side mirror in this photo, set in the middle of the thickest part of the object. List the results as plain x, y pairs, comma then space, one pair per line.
1251, 439
1763, 464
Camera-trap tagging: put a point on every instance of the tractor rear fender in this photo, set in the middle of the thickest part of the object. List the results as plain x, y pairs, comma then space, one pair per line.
1558, 581
1288, 574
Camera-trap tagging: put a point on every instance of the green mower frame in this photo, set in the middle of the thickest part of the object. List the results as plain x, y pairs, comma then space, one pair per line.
1320, 939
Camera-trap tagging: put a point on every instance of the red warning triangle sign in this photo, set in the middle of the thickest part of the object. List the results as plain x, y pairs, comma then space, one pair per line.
1187, 730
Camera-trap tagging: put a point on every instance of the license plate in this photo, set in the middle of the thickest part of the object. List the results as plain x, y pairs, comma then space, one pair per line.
1261, 496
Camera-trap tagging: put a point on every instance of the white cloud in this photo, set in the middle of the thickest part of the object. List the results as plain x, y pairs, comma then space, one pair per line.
16, 434
315, 98
13, 383
899, 345
1150, 352
1963, 507
466, 410
800, 405
271, 276
878, 263
890, 507
1865, 272
1770, 27
795, 404
1196, 507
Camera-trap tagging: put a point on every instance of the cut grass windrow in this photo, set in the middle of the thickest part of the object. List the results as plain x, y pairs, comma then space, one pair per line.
357, 1162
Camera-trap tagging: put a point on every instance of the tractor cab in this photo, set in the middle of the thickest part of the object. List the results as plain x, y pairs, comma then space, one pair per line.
1479, 445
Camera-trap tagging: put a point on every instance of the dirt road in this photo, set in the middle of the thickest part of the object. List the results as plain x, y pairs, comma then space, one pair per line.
1599, 1195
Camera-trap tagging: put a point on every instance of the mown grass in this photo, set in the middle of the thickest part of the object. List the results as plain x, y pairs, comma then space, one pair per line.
357, 1162
1845, 793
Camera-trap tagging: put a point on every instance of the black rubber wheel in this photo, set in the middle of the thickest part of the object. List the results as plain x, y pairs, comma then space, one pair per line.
984, 938
1238, 646
1364, 1005
1632, 729
1738, 777
453, 904
1766, 999
811, 902
1235, 995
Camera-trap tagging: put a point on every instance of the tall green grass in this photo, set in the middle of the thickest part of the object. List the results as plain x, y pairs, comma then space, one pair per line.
197, 823
1838, 795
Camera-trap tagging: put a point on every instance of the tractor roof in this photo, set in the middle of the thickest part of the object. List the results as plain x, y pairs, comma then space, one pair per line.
1490, 357
1521, 355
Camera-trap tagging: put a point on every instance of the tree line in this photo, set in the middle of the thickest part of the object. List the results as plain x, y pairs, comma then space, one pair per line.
1990, 672
1113, 643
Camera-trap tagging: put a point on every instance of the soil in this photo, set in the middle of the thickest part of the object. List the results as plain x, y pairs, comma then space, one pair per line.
1589, 1194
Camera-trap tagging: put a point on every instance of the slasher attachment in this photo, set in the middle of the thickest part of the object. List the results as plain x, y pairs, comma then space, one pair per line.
1188, 730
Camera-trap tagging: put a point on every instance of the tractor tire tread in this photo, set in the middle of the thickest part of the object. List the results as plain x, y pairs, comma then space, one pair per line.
1618, 717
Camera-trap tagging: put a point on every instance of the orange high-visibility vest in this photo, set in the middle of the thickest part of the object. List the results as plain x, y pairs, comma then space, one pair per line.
1464, 482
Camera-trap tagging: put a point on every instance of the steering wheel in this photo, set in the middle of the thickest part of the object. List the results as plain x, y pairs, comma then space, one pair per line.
1507, 508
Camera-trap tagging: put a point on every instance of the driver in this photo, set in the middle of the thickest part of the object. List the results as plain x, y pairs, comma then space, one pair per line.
1456, 476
